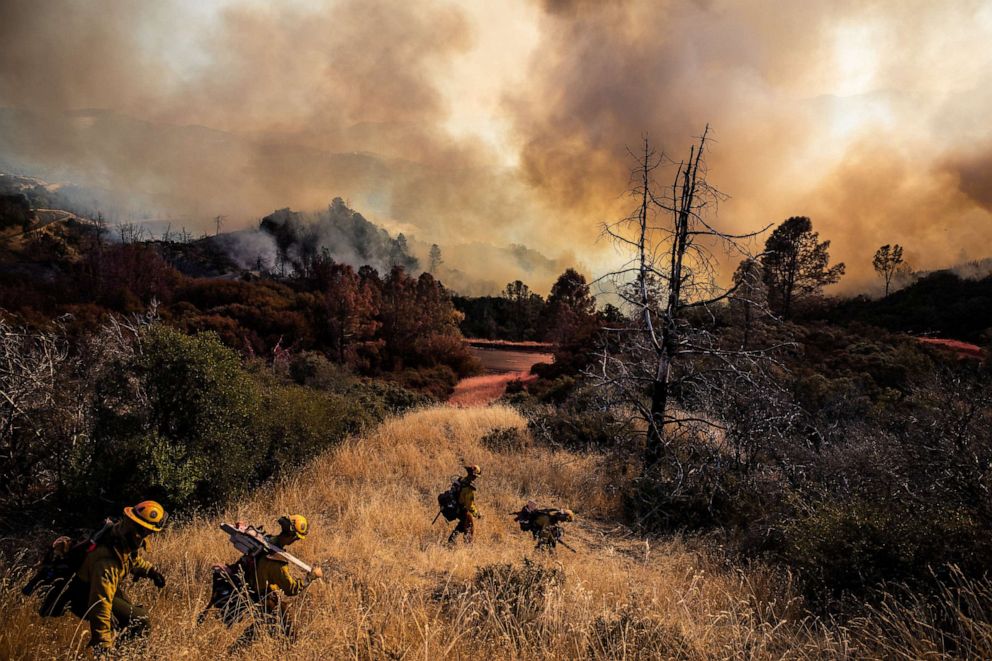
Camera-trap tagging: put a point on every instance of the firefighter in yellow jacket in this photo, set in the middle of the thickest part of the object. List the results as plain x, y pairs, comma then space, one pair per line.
467, 511
548, 530
97, 589
269, 576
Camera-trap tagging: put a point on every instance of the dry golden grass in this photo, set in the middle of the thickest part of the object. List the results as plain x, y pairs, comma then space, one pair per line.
481, 390
392, 590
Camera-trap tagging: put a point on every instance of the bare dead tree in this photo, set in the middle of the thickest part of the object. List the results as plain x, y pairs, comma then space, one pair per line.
669, 287
47, 389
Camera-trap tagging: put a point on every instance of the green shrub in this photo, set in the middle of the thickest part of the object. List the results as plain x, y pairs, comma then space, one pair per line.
313, 369
852, 547
579, 430
506, 439
436, 382
174, 421
296, 423
384, 398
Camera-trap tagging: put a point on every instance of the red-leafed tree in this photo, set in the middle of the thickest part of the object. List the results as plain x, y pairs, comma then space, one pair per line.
350, 306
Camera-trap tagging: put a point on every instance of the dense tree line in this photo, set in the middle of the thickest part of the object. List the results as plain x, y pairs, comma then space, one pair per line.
941, 303
375, 324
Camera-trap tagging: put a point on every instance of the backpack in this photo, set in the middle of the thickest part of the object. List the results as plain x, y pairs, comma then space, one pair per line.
525, 517
229, 586
447, 501
57, 570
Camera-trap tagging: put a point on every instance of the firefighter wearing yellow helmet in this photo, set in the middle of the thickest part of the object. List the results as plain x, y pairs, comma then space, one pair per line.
544, 524
549, 529
467, 512
271, 573
267, 576
96, 591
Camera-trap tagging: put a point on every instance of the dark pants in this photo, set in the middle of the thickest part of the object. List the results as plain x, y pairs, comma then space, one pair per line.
547, 537
466, 526
270, 614
130, 620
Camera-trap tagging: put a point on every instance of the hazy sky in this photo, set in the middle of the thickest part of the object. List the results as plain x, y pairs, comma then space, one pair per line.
508, 121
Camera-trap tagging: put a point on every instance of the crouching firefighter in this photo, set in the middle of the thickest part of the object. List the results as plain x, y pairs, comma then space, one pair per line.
544, 525
258, 582
458, 502
87, 576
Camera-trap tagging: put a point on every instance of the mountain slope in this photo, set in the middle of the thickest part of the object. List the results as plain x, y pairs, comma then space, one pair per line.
393, 590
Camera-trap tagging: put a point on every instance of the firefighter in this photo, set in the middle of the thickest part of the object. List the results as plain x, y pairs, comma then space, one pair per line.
548, 530
467, 511
97, 593
268, 580
544, 524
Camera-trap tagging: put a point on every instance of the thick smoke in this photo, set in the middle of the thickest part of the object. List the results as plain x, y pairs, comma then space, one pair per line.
304, 102
860, 115
864, 116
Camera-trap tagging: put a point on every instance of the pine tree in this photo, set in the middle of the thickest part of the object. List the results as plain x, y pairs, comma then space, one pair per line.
796, 265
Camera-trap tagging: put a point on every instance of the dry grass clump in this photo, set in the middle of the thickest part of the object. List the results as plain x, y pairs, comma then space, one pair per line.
481, 390
393, 590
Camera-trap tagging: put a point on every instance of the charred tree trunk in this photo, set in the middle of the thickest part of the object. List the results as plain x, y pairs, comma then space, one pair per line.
655, 448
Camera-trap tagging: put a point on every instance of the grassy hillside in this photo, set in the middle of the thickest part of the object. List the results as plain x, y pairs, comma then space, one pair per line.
394, 591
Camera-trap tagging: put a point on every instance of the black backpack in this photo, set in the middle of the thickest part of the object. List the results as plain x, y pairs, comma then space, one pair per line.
57, 569
525, 517
228, 584
447, 501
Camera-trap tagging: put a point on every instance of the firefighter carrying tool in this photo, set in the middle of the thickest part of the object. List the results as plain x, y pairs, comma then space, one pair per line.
260, 579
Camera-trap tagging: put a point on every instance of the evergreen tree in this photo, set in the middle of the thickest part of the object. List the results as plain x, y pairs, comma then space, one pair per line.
796, 265
434, 259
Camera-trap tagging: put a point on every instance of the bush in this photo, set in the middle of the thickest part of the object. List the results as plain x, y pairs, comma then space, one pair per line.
296, 423
180, 419
384, 398
579, 430
513, 596
175, 421
313, 369
506, 439
852, 547
436, 382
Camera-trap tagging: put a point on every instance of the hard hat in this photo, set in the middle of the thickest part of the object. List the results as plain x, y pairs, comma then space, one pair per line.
147, 514
473, 469
296, 524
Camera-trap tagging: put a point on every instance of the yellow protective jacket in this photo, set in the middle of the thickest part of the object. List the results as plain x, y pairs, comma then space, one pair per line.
466, 498
103, 570
271, 575
541, 521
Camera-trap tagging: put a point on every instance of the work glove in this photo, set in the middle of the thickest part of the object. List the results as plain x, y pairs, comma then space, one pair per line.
157, 578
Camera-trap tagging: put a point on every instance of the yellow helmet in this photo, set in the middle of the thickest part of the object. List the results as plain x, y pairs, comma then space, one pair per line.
295, 524
147, 514
473, 470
